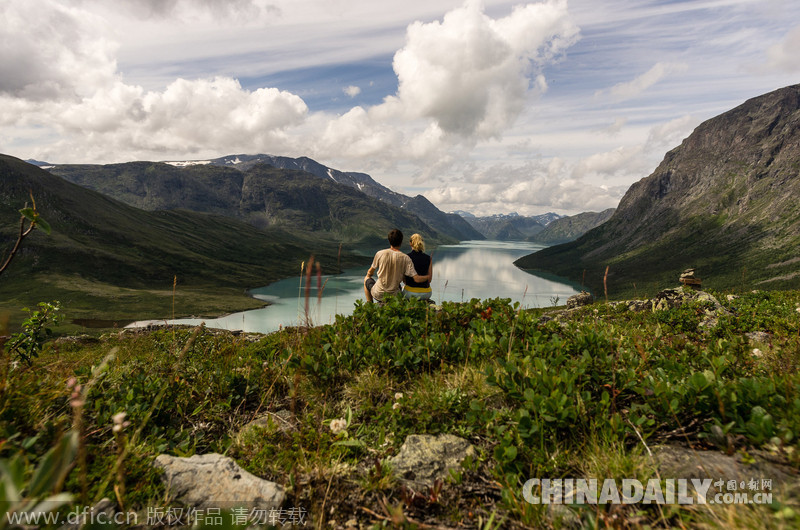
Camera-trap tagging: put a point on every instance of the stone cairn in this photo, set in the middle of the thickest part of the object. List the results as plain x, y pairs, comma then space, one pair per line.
689, 279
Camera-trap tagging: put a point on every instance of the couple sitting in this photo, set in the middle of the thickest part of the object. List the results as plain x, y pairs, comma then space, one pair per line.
394, 267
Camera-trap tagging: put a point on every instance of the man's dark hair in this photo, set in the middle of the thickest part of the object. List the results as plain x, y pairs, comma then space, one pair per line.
396, 238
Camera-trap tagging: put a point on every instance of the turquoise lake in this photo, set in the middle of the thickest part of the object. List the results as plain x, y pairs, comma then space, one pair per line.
471, 269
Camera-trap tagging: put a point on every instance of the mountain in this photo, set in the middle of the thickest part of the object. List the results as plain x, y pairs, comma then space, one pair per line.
546, 218
509, 227
448, 224
723, 202
101, 248
262, 195
565, 229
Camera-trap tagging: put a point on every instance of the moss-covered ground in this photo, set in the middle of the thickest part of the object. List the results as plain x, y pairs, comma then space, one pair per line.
584, 395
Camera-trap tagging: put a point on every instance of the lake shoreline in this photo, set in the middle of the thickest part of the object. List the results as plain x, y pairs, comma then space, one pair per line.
469, 270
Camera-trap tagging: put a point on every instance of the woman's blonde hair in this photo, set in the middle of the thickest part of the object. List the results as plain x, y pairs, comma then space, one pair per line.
417, 243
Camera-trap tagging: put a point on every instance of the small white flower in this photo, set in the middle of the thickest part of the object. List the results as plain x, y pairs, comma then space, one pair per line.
398, 396
338, 425
756, 352
396, 406
119, 422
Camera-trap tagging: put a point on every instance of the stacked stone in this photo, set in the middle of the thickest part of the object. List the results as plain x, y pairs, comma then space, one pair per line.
689, 279
579, 300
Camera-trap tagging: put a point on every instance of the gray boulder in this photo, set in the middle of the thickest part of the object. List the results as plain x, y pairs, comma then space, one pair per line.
671, 298
216, 481
424, 458
579, 300
681, 462
758, 337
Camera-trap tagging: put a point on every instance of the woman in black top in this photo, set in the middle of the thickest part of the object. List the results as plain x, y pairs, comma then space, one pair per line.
423, 264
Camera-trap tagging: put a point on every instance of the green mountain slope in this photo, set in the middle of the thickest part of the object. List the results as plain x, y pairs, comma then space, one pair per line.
101, 248
569, 228
263, 195
724, 201
451, 225
507, 227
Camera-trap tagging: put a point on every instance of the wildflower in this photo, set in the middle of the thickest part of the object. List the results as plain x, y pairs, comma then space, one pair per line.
398, 396
396, 406
75, 400
338, 425
756, 352
119, 422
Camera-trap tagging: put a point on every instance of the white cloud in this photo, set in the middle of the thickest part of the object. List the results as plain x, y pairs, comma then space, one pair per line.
352, 91
632, 89
48, 51
614, 128
467, 74
192, 10
608, 163
200, 116
470, 73
532, 188
670, 134
785, 55
591, 183
484, 96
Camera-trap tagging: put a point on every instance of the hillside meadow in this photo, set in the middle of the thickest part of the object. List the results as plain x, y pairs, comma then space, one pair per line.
589, 392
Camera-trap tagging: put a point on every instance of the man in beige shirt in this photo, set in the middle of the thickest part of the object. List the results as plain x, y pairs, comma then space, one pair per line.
392, 264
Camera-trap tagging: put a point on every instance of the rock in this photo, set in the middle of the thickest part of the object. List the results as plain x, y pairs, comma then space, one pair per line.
758, 337
579, 300
77, 339
680, 462
279, 421
688, 278
216, 481
639, 305
633, 305
672, 298
424, 458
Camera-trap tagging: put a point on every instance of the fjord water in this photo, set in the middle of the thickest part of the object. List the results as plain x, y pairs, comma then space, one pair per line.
471, 269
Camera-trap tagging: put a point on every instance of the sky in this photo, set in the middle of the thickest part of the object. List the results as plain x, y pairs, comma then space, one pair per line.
489, 106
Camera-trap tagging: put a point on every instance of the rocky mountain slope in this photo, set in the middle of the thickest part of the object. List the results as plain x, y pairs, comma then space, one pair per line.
263, 195
510, 227
98, 240
724, 202
449, 225
565, 229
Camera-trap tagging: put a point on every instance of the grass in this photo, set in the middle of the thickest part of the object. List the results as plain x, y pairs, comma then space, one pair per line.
586, 396
93, 304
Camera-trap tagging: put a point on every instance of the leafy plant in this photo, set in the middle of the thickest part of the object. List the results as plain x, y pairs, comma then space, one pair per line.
39, 494
34, 219
27, 344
